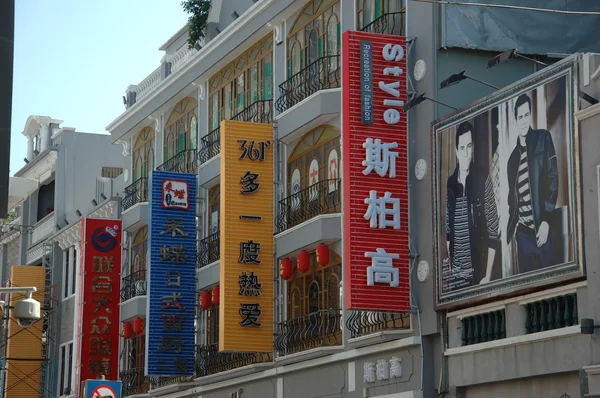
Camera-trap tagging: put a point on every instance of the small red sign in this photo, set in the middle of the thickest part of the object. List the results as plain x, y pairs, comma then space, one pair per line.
100, 285
375, 153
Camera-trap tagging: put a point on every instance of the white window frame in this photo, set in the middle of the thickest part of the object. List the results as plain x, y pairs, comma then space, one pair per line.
69, 276
66, 372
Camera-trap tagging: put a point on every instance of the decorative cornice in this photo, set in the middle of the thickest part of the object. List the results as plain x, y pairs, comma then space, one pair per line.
41, 167
588, 112
125, 143
157, 127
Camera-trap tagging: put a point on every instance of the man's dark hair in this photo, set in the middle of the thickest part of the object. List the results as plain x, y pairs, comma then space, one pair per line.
522, 100
464, 128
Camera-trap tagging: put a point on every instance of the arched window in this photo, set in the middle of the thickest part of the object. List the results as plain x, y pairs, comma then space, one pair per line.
317, 289
244, 81
143, 153
315, 158
139, 250
178, 128
314, 34
369, 11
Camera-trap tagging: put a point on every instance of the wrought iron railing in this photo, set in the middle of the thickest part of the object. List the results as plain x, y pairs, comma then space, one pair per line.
390, 24
210, 361
162, 381
184, 162
258, 112
483, 327
322, 74
208, 250
136, 193
364, 323
323, 197
553, 313
134, 285
134, 382
318, 329
210, 146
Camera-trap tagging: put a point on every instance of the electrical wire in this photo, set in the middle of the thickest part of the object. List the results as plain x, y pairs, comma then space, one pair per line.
523, 8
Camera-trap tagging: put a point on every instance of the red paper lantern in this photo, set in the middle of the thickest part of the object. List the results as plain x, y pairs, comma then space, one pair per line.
138, 325
205, 300
215, 295
286, 268
322, 254
303, 261
127, 330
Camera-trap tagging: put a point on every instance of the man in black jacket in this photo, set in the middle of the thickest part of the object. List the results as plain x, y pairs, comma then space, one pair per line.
533, 190
471, 218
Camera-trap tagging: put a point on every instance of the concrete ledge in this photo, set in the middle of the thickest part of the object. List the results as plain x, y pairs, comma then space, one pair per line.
379, 337
209, 171
135, 217
208, 275
311, 112
324, 228
133, 307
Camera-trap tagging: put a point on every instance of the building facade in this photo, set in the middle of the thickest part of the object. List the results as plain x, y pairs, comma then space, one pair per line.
40, 248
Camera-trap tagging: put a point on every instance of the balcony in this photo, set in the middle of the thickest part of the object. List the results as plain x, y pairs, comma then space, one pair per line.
43, 228
365, 323
134, 285
134, 382
318, 329
322, 74
210, 361
323, 197
208, 250
136, 193
482, 328
258, 112
184, 162
389, 24
210, 146
552, 313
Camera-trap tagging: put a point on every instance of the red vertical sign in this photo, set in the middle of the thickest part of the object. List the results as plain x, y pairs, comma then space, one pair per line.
375, 153
100, 285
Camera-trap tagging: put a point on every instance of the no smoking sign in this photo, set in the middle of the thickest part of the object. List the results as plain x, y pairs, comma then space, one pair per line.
103, 392
103, 389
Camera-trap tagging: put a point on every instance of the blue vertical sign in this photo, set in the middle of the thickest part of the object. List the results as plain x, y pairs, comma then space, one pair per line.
171, 275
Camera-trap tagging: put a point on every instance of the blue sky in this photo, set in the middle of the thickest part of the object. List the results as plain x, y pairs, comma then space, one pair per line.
74, 59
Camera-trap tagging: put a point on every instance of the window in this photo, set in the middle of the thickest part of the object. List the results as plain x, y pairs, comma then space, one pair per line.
315, 34
179, 136
315, 158
66, 369
246, 80
317, 289
214, 203
111, 172
143, 153
69, 272
212, 325
369, 11
45, 200
139, 250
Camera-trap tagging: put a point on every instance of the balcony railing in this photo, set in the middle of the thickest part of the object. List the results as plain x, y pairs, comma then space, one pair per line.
323, 197
136, 193
552, 313
208, 250
258, 112
364, 323
390, 24
319, 329
184, 162
210, 146
134, 382
481, 328
134, 285
210, 361
322, 74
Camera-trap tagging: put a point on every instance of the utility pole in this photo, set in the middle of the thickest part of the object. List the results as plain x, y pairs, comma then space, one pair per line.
7, 44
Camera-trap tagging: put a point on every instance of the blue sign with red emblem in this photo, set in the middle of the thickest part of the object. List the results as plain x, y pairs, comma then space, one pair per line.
170, 335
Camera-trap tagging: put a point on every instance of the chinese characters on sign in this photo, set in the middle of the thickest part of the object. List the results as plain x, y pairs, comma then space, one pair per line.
247, 194
171, 290
100, 281
374, 141
382, 370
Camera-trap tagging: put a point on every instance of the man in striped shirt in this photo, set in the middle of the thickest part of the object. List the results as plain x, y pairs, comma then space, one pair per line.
471, 218
533, 190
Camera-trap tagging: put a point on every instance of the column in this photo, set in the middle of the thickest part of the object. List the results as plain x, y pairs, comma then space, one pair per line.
45, 136
29, 148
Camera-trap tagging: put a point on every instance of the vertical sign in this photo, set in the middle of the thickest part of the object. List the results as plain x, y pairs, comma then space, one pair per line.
374, 141
247, 200
172, 275
99, 299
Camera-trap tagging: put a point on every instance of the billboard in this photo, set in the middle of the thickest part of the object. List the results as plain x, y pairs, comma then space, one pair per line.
171, 299
505, 197
99, 317
247, 201
375, 201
